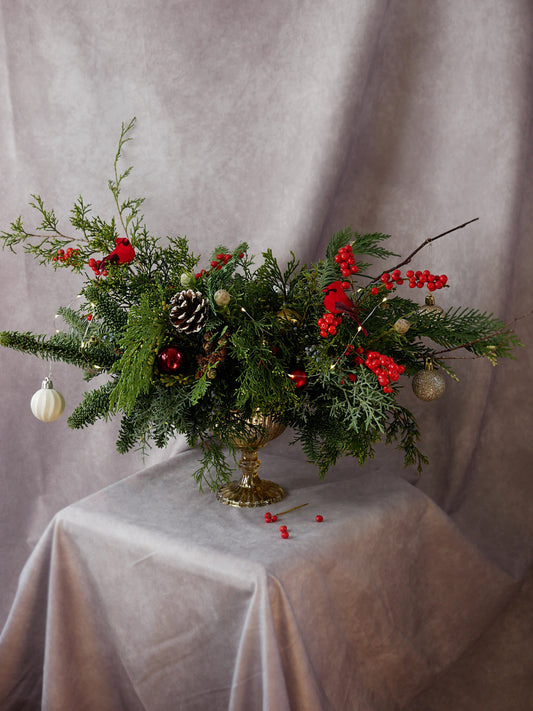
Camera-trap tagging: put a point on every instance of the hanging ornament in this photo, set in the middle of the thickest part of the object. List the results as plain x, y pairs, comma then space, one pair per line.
299, 378
429, 384
188, 311
47, 404
430, 306
170, 359
401, 326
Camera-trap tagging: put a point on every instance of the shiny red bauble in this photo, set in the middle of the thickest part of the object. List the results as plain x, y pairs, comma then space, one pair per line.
170, 359
299, 378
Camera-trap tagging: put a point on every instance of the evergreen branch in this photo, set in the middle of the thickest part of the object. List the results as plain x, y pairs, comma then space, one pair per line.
95, 405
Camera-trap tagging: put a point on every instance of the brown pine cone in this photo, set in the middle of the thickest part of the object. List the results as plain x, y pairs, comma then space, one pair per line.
188, 311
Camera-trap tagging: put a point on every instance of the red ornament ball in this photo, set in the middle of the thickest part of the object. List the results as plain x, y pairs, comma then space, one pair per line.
170, 359
299, 378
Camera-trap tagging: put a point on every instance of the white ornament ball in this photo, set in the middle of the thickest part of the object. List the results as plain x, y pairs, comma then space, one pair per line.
222, 297
47, 404
401, 326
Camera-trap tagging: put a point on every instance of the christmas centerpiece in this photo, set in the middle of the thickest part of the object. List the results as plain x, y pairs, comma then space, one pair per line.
229, 351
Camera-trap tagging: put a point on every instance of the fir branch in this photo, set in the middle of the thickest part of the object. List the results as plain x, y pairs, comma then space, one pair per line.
95, 405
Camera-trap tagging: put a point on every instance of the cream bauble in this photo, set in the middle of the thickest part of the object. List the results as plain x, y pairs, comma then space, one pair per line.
47, 404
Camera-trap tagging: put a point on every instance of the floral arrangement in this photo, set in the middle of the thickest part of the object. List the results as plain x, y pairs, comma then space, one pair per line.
176, 344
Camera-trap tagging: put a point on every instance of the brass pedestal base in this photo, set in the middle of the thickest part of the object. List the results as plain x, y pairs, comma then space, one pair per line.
250, 491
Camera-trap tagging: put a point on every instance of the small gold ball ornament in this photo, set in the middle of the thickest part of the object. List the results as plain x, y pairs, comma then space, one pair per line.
428, 384
401, 326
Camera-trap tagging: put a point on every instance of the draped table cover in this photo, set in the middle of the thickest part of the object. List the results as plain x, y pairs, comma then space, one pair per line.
151, 595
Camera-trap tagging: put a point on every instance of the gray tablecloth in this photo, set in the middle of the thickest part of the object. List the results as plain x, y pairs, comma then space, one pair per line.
151, 595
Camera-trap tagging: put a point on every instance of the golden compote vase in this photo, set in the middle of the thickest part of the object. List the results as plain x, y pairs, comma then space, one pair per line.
250, 490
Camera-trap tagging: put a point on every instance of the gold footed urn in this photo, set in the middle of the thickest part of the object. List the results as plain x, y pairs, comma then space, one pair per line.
250, 490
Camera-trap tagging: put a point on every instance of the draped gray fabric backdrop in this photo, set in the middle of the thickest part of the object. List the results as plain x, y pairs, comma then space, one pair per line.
280, 122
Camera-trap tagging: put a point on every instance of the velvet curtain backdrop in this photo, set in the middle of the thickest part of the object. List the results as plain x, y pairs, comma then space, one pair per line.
279, 123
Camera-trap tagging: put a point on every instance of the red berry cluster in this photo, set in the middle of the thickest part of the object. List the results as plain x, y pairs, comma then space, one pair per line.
68, 258
220, 261
328, 324
390, 279
346, 261
432, 281
384, 368
418, 279
95, 266
269, 518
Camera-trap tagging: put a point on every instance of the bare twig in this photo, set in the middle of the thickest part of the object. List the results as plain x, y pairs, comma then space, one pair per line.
424, 244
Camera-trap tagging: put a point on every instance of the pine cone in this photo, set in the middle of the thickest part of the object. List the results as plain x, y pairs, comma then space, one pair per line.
188, 311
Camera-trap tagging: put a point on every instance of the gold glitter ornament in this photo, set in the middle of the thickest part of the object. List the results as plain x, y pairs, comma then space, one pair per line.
401, 326
430, 306
428, 384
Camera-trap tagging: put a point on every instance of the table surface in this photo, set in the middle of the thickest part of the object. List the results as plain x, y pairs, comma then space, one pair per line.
151, 595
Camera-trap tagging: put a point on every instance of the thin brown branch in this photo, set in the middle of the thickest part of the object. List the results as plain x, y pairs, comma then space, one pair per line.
424, 244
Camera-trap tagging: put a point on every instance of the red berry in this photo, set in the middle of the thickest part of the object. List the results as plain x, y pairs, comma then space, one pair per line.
284, 534
283, 528
89, 317
374, 290
274, 518
385, 277
352, 377
409, 273
319, 518
389, 285
268, 515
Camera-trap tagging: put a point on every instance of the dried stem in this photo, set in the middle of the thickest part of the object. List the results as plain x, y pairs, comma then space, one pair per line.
424, 244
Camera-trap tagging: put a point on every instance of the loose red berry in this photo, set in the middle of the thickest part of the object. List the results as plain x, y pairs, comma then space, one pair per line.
283, 528
274, 518
284, 534
319, 518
